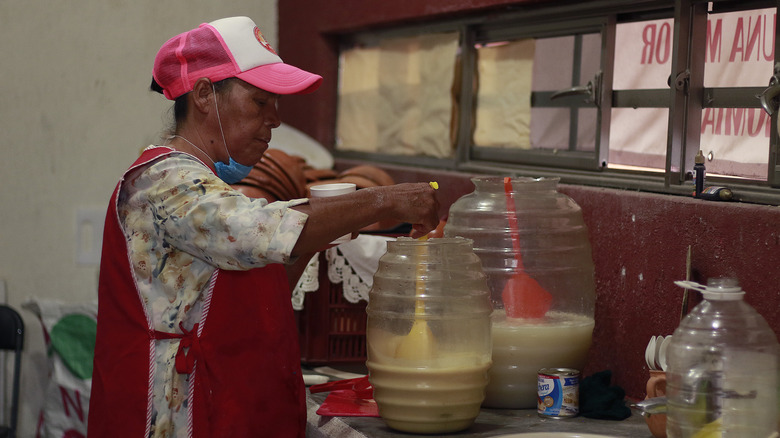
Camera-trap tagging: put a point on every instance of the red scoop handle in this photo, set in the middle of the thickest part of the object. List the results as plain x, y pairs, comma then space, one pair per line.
360, 385
523, 296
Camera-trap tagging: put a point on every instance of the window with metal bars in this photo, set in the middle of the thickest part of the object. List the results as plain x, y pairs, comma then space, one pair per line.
600, 93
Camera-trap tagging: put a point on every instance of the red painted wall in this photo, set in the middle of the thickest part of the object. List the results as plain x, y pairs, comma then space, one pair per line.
639, 240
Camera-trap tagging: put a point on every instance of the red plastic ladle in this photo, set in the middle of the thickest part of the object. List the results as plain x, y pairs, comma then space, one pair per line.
523, 296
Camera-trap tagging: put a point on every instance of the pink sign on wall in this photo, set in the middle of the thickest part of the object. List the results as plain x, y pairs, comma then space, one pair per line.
739, 53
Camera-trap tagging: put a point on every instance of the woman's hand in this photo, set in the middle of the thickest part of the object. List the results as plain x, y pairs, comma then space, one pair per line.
416, 204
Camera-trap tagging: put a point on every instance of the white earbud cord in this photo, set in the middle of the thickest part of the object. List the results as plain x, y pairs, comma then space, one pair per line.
219, 121
193, 145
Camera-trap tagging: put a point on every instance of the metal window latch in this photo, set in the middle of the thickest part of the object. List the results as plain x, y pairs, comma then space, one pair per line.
768, 97
592, 89
682, 80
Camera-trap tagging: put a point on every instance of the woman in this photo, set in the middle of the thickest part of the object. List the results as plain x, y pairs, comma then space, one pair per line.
196, 334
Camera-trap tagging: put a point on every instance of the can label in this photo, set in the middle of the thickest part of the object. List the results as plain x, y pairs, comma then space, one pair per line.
558, 391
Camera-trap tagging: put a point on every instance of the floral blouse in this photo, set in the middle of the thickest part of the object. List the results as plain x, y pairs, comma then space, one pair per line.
181, 223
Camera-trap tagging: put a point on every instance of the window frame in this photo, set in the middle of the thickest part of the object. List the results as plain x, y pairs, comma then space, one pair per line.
686, 97
541, 28
689, 100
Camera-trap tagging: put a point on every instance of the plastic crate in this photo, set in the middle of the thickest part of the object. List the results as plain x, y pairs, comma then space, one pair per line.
331, 330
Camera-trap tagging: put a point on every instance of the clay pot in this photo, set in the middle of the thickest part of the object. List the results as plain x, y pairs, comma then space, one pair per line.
656, 387
312, 174
253, 191
375, 174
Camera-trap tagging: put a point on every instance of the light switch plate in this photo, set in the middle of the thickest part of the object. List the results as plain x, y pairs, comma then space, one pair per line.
89, 235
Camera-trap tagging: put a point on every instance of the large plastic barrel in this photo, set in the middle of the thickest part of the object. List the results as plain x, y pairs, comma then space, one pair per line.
535, 252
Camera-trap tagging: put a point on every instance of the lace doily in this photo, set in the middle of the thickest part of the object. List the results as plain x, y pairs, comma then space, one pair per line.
309, 282
340, 271
352, 263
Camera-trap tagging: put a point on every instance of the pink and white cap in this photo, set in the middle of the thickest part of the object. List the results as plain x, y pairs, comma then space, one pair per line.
226, 48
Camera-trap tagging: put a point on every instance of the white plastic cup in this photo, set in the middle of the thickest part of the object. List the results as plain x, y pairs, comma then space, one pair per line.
335, 189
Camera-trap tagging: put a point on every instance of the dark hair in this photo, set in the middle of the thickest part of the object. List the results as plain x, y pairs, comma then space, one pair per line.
180, 107
156, 87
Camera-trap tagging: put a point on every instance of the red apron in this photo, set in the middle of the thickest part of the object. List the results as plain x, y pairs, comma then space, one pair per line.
245, 363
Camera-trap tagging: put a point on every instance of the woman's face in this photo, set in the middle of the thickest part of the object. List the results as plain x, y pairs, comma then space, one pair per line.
247, 114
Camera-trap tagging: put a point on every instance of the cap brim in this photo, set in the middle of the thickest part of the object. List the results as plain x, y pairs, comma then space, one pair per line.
281, 78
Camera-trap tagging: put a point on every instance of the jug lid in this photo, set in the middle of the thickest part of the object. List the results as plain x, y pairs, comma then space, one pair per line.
717, 289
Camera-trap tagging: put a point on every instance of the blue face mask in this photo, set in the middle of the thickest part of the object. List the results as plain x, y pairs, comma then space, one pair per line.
233, 172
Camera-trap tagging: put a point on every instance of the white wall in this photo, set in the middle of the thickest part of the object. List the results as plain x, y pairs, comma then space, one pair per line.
75, 111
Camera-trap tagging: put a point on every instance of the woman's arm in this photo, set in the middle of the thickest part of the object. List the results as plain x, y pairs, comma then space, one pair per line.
330, 218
